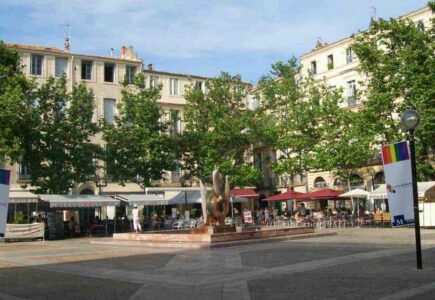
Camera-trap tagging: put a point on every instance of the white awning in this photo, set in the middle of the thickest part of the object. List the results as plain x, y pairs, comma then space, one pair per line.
77, 201
185, 197
381, 191
357, 193
22, 197
239, 200
143, 199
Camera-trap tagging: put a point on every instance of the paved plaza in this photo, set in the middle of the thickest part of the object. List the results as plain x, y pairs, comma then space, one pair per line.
356, 263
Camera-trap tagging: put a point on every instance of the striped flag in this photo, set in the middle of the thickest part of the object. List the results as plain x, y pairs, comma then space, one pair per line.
4, 176
395, 152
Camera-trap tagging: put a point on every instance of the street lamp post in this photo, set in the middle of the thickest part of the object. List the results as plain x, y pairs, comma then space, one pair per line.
410, 119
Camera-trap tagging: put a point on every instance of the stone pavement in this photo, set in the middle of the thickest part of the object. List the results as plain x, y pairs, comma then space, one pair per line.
357, 263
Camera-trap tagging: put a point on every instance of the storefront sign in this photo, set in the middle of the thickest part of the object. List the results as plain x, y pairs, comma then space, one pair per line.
24, 231
247, 216
4, 199
398, 178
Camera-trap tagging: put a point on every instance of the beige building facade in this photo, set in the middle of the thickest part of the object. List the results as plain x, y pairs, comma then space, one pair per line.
338, 66
103, 75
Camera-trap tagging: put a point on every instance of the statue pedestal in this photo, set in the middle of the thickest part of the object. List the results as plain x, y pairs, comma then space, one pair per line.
213, 229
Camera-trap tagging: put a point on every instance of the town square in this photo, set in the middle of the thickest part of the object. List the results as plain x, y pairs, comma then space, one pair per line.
232, 150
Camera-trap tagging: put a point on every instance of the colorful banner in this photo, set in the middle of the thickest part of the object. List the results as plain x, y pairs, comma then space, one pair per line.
398, 178
4, 199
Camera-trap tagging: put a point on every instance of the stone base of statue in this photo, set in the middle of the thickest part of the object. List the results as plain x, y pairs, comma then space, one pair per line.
217, 236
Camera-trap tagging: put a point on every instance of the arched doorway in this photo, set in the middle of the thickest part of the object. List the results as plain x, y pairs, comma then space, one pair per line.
87, 191
379, 178
319, 182
356, 180
338, 183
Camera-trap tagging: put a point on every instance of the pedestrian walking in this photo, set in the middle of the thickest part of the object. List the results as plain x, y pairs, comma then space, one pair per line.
136, 219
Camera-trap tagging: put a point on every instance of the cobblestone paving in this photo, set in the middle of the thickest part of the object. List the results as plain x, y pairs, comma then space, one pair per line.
355, 264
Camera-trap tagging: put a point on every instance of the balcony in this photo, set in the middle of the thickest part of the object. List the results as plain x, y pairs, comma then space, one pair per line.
352, 101
24, 177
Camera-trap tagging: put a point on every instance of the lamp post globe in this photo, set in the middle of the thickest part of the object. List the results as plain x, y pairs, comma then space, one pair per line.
410, 119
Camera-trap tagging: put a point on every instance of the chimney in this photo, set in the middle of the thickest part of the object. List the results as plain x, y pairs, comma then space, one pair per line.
66, 45
150, 67
123, 51
111, 52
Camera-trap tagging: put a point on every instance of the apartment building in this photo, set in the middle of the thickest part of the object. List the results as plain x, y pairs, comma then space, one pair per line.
103, 75
337, 64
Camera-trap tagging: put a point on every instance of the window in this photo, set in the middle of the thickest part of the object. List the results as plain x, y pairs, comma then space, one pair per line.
200, 86
330, 62
351, 93
61, 66
24, 171
130, 72
319, 182
338, 182
109, 110
314, 67
109, 72
86, 70
36, 64
154, 81
349, 55
420, 25
173, 86
175, 126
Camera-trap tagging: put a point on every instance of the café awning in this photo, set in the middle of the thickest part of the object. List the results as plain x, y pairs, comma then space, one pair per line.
357, 193
78, 201
185, 197
16, 197
289, 195
322, 194
429, 195
243, 195
382, 193
143, 199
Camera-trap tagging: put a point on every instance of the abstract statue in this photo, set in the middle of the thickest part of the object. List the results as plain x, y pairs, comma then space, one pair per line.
215, 204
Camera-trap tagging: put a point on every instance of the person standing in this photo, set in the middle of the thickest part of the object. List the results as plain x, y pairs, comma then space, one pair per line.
136, 219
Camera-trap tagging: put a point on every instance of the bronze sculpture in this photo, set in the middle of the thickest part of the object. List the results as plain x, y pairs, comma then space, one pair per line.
215, 203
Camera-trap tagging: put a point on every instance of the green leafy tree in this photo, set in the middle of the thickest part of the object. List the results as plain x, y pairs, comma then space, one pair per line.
59, 151
218, 131
397, 57
343, 146
294, 107
16, 95
138, 146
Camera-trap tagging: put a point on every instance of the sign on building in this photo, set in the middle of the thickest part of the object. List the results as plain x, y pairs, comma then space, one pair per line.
4, 199
398, 179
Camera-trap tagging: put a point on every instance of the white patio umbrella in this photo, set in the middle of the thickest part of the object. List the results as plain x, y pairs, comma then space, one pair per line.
358, 193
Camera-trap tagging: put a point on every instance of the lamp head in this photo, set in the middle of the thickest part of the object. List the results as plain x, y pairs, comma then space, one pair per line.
410, 119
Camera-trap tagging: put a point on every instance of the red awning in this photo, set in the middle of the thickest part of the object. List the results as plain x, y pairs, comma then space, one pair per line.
285, 196
322, 194
244, 193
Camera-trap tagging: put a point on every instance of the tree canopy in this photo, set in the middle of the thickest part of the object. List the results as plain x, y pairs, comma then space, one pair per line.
59, 151
397, 58
138, 146
218, 131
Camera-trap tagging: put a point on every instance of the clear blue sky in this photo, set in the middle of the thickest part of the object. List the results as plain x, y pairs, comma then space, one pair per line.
199, 37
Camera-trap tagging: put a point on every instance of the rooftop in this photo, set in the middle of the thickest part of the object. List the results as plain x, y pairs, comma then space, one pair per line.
54, 50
